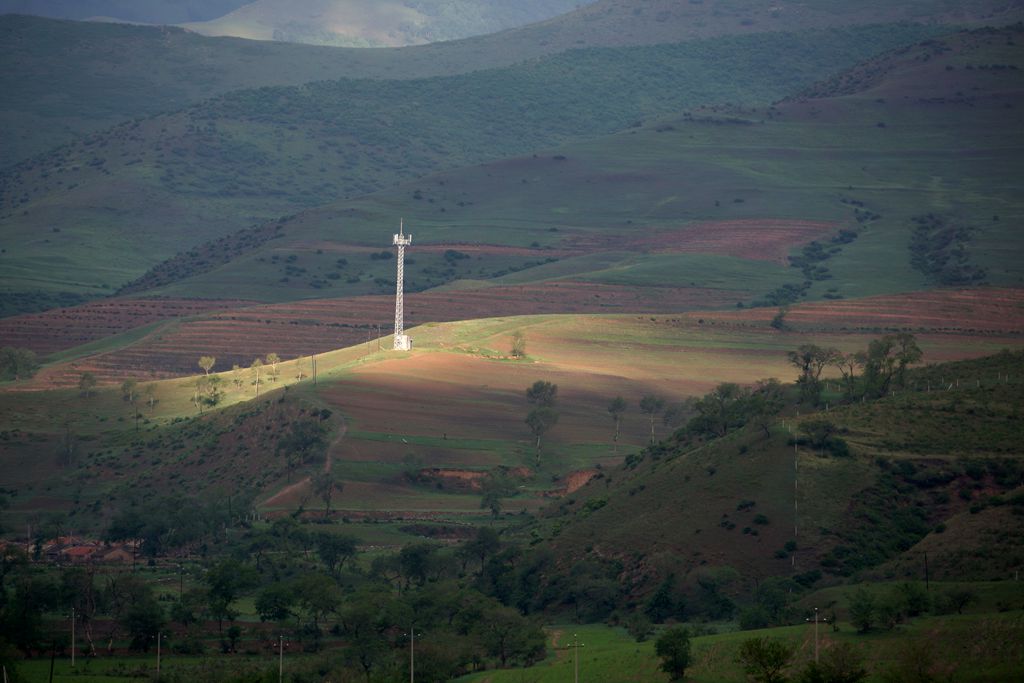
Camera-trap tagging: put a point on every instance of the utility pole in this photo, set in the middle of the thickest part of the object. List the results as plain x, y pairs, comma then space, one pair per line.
72, 637
280, 658
159, 637
576, 644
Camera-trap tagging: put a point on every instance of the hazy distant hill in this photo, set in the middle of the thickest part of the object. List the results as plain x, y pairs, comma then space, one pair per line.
62, 79
142, 11
379, 23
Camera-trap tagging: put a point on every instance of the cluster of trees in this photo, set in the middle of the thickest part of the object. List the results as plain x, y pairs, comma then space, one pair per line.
765, 660
311, 585
882, 366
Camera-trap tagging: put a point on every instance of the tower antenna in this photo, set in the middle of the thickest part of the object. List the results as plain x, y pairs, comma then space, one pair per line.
401, 240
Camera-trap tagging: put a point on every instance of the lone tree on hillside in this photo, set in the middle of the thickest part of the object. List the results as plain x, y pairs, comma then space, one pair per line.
616, 408
86, 383
518, 344
17, 363
651, 406
207, 363
128, 390
542, 394
673, 647
256, 366
540, 420
324, 487
149, 391
272, 360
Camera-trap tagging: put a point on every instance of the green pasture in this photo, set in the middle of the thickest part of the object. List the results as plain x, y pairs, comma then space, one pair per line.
978, 647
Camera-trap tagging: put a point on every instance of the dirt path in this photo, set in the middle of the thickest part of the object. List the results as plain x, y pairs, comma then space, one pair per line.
283, 495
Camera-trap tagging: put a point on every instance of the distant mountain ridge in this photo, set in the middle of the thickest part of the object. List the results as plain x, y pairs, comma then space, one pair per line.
136, 11
379, 23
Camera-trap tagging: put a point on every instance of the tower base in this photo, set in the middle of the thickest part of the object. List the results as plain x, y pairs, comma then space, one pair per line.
403, 342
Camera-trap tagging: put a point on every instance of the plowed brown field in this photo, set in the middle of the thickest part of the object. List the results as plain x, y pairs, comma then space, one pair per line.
979, 311
64, 328
758, 239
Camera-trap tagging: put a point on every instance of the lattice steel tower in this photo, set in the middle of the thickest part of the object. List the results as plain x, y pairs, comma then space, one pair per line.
402, 340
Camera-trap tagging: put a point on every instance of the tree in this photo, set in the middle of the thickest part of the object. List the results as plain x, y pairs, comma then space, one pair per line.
303, 442
334, 550
840, 663
225, 582
540, 421
863, 609
717, 411
764, 659
275, 602
886, 360
847, 364
673, 647
17, 363
324, 487
86, 383
272, 360
508, 635
257, 366
317, 596
128, 388
616, 408
542, 394
915, 663
207, 363
236, 375
810, 360
149, 391
651, 406
68, 446
518, 344
765, 403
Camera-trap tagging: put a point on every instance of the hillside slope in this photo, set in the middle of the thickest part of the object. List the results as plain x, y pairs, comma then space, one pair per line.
922, 464
252, 155
905, 179
45, 60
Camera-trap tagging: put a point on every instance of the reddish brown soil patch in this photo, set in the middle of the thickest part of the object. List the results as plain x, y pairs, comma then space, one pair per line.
759, 239
980, 310
572, 482
65, 328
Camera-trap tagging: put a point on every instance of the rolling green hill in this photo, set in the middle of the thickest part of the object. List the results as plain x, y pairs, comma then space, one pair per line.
118, 72
924, 131
922, 463
137, 193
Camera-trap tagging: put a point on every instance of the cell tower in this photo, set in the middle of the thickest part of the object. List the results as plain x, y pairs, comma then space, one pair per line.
402, 340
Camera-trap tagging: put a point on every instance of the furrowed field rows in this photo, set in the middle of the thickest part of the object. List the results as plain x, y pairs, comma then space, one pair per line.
980, 310
64, 328
308, 327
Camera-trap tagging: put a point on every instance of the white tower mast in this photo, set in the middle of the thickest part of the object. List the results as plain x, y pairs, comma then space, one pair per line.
402, 340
